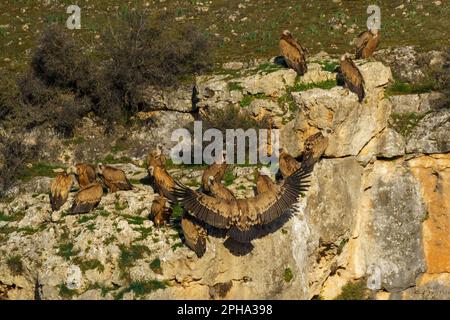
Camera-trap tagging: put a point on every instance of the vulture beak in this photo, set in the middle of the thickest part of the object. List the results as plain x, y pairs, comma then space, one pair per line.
151, 170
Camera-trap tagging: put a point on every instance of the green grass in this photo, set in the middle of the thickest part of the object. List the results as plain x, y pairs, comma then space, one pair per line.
401, 88
140, 288
177, 211
177, 245
110, 159
93, 264
328, 65
66, 293
234, 86
353, 291
16, 217
66, 250
249, 98
404, 123
128, 255
268, 67
15, 265
135, 220
287, 275
229, 178
155, 265
120, 206
38, 170
307, 86
145, 233
86, 218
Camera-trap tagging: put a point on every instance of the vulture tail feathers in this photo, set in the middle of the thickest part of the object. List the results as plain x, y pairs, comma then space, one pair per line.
82, 208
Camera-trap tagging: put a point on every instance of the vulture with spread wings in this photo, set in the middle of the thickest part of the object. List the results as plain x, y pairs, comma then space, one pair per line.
241, 216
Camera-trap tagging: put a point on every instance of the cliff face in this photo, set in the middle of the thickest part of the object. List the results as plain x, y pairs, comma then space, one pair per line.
377, 212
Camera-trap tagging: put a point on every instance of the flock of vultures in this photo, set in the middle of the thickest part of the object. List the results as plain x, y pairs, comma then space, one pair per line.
294, 55
213, 205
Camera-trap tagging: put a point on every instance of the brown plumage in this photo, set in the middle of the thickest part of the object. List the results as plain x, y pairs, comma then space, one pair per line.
241, 216
288, 164
315, 146
59, 190
159, 212
218, 190
87, 198
114, 179
194, 234
84, 173
156, 157
263, 182
366, 43
294, 54
216, 170
352, 77
163, 181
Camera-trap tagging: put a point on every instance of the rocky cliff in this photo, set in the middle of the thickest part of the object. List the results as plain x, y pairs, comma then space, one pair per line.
377, 214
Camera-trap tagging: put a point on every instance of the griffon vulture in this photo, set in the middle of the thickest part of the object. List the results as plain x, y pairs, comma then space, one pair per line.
114, 179
84, 173
241, 216
294, 54
263, 181
194, 235
366, 43
352, 77
159, 212
314, 146
59, 190
163, 181
218, 190
156, 157
87, 198
288, 164
216, 170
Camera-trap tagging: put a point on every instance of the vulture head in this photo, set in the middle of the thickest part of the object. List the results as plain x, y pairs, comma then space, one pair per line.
99, 169
210, 181
151, 170
264, 171
345, 56
286, 33
159, 149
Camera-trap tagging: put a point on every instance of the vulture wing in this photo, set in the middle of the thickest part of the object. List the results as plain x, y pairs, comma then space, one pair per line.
164, 183
87, 198
294, 55
361, 43
194, 235
218, 190
116, 179
85, 174
59, 190
264, 184
288, 164
353, 78
243, 214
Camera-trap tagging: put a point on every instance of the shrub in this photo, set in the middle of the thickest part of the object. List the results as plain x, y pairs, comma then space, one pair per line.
14, 155
33, 90
139, 54
9, 95
15, 265
354, 291
59, 61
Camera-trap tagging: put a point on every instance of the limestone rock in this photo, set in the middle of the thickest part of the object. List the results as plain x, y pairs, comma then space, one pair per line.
315, 74
417, 103
375, 74
272, 84
179, 99
431, 135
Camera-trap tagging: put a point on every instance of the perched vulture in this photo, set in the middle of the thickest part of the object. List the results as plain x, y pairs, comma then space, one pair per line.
216, 170
218, 190
114, 179
159, 212
288, 164
315, 146
87, 198
84, 173
163, 181
353, 79
294, 54
194, 235
59, 190
263, 181
366, 43
156, 158
241, 216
